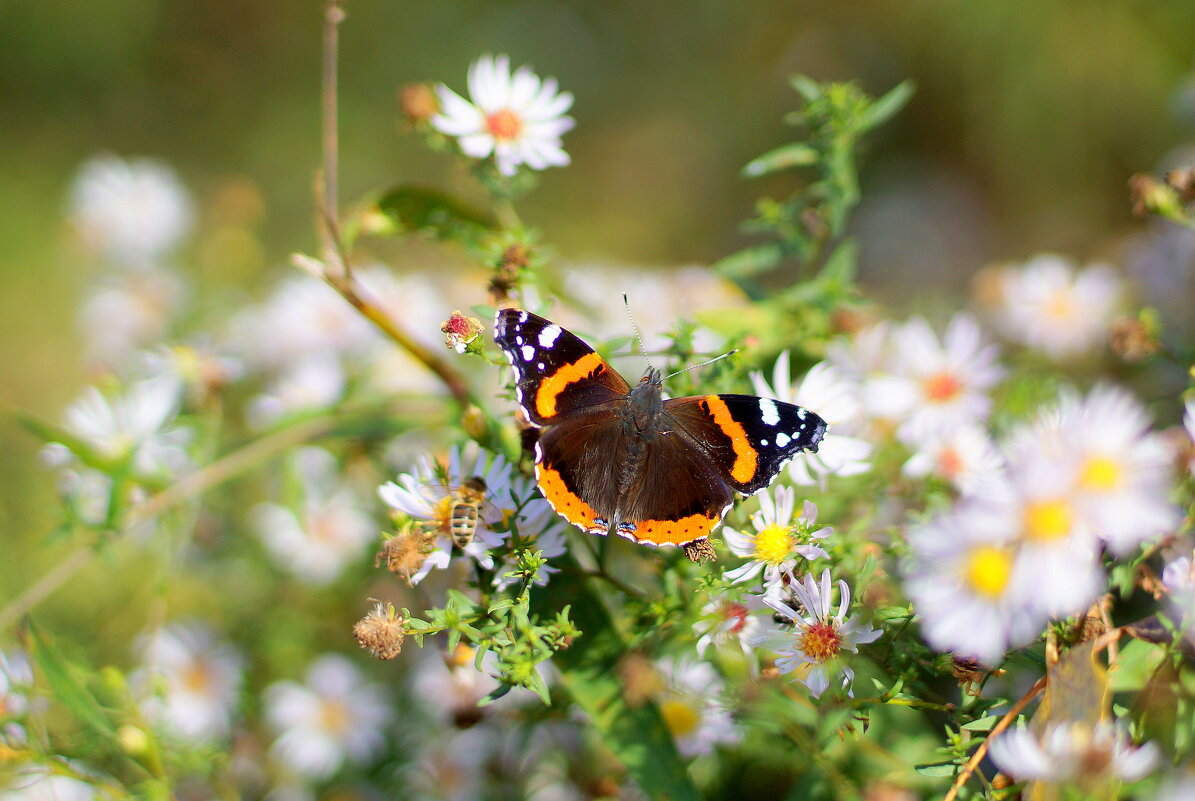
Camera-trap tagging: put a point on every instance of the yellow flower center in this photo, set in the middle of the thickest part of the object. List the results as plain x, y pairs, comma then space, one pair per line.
988, 570
197, 678
504, 124
941, 387
1101, 474
773, 545
820, 642
682, 719
1048, 520
442, 514
333, 717
463, 655
1061, 305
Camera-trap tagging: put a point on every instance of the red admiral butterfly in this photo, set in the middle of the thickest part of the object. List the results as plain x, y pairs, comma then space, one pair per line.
615, 458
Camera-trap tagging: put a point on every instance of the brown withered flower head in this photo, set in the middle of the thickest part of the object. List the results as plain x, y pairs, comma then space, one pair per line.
418, 103
405, 552
381, 631
461, 331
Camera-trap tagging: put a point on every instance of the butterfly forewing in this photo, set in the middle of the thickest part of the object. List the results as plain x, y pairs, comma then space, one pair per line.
556, 373
750, 437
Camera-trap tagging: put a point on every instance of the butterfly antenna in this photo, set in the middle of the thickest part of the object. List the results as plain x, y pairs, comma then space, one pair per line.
638, 336
703, 364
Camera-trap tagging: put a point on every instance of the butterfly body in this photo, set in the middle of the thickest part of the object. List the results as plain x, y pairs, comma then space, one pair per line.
615, 458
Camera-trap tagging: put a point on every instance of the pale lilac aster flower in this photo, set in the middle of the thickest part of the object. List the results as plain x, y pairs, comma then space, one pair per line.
825, 392
133, 211
939, 384
867, 359
16, 681
692, 707
327, 532
1070, 752
962, 581
729, 621
134, 425
1179, 787
426, 495
127, 312
965, 456
1189, 424
1123, 470
518, 119
189, 681
1051, 306
1178, 576
37, 783
333, 718
778, 539
315, 382
812, 648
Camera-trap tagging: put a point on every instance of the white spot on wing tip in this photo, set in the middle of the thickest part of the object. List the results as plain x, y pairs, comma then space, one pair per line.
528, 353
549, 335
771, 414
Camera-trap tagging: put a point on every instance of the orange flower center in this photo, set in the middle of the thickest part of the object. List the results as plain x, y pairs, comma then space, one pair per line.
941, 387
737, 613
504, 124
950, 462
820, 642
333, 717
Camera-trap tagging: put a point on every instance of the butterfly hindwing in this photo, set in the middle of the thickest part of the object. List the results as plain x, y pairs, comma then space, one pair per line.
750, 437
556, 373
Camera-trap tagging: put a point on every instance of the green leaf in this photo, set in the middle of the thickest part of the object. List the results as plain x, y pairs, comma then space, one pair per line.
938, 770
886, 107
750, 261
986, 723
796, 154
1134, 666
66, 687
414, 208
808, 88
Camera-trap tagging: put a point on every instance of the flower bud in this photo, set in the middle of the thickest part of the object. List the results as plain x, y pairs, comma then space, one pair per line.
460, 332
418, 103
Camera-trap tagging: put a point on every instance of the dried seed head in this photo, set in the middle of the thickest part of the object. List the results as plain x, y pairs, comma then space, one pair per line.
460, 331
418, 102
1132, 340
641, 682
405, 552
700, 551
381, 631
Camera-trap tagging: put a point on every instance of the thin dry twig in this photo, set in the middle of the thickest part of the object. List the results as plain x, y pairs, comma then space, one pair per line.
1004, 723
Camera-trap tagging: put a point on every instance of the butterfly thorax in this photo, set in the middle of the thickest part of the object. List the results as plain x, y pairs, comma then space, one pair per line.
645, 404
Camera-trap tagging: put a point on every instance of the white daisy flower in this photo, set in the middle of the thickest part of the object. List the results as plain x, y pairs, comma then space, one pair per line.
692, 709
315, 382
449, 686
332, 718
127, 312
812, 647
189, 681
962, 581
518, 119
965, 456
16, 681
133, 211
778, 540
1178, 577
939, 384
452, 765
1051, 306
1073, 752
1189, 424
329, 530
1179, 787
38, 783
1123, 472
727, 620
134, 426
427, 495
824, 391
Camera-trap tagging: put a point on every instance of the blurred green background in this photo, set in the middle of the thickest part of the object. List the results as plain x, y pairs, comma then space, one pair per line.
1028, 120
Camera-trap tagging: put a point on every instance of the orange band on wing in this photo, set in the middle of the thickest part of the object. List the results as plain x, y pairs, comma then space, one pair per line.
745, 457
553, 385
676, 532
566, 502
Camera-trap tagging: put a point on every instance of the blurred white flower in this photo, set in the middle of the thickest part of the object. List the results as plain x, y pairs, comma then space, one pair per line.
132, 211
328, 531
16, 681
825, 392
729, 621
518, 118
428, 495
189, 681
315, 382
37, 783
965, 456
811, 645
450, 687
134, 425
692, 707
1189, 424
128, 312
778, 540
450, 765
1051, 306
1123, 471
1178, 576
1179, 787
939, 384
1073, 752
961, 579
332, 718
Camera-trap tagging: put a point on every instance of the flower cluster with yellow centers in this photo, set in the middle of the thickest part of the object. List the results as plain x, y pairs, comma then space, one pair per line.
1084, 477
779, 540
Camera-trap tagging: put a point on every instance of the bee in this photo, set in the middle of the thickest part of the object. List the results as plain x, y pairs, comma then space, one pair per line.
468, 506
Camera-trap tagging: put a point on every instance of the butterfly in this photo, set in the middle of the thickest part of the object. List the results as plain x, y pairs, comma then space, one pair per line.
615, 458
